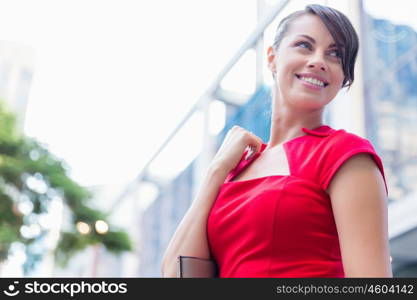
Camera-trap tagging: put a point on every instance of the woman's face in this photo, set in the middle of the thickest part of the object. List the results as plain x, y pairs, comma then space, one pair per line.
307, 63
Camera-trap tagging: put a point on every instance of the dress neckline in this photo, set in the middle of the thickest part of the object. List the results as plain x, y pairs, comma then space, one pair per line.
321, 131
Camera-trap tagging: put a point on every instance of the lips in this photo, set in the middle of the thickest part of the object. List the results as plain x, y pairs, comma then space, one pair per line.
313, 76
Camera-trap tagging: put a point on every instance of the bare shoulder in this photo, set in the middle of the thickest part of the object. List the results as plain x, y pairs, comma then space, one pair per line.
359, 171
359, 204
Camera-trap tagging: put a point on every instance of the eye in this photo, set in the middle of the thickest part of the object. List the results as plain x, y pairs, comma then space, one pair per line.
335, 53
303, 44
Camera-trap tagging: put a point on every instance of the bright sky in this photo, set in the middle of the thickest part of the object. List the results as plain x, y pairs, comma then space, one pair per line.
114, 77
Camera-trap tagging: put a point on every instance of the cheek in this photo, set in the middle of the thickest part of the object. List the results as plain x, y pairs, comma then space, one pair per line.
287, 63
337, 81
332, 92
338, 76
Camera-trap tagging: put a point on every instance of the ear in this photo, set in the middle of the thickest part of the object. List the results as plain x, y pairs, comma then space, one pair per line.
271, 59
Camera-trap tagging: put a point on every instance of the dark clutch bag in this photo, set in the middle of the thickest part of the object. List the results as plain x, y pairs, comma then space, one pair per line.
194, 267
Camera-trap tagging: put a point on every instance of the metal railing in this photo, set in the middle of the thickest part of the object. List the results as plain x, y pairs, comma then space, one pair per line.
250, 43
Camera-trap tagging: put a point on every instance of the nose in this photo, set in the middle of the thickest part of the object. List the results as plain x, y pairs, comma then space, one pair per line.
317, 62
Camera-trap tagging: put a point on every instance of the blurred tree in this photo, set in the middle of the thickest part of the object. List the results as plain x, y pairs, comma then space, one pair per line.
31, 178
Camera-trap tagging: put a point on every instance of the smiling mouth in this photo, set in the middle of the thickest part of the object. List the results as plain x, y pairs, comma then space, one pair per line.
312, 80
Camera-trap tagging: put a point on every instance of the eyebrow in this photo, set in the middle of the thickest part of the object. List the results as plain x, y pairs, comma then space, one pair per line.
313, 41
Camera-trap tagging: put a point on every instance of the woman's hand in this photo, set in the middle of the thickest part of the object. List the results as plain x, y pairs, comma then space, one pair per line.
237, 140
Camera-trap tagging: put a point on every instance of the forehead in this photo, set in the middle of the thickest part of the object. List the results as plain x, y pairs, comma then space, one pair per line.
312, 26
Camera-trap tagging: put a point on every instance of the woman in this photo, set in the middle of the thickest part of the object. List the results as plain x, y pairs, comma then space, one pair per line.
312, 202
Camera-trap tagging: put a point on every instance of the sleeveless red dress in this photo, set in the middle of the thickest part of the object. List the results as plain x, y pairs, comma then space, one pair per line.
283, 225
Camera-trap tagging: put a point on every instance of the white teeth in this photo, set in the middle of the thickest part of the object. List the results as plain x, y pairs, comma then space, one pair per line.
313, 81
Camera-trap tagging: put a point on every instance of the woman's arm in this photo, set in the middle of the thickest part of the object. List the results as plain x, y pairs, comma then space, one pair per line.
190, 238
359, 205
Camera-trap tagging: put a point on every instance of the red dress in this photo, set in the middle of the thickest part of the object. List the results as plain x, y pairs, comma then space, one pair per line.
283, 225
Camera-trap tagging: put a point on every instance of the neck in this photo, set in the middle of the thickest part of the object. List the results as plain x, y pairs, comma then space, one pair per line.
286, 123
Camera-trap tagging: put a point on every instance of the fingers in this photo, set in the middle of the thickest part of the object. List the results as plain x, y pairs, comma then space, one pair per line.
254, 145
255, 142
251, 152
